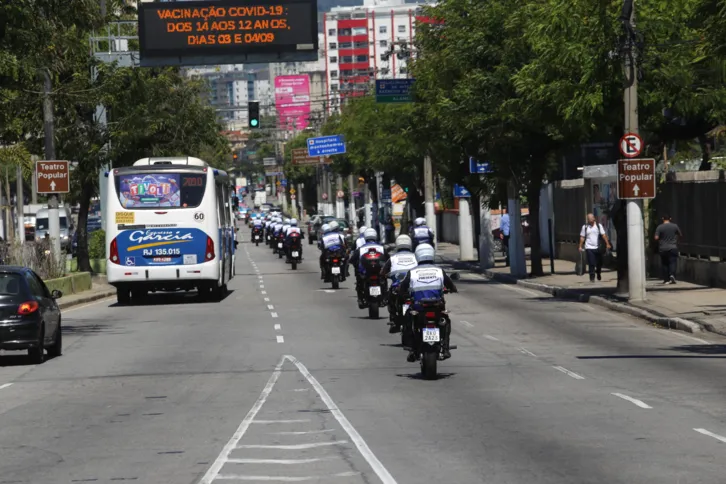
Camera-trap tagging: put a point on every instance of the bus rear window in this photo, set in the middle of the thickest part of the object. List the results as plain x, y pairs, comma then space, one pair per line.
156, 190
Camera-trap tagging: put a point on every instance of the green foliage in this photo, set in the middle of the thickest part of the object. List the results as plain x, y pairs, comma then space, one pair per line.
97, 245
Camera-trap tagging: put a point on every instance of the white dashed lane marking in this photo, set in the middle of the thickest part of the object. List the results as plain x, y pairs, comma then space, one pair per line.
569, 373
637, 402
711, 434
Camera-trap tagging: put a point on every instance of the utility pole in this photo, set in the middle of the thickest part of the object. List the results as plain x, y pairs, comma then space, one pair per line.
429, 197
339, 201
636, 239
20, 204
48, 125
351, 205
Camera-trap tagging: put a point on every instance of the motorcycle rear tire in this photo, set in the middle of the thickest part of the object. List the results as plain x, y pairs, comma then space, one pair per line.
335, 281
373, 310
279, 254
257, 244
428, 364
294, 264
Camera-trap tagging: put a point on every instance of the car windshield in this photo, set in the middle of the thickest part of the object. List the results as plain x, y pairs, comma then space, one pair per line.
42, 223
10, 284
343, 224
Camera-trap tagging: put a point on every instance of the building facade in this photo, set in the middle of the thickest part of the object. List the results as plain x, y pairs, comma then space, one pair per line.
368, 42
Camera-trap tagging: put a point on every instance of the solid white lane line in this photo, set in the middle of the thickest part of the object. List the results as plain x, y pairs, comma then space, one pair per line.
568, 372
310, 445
368, 455
280, 339
5, 385
274, 315
304, 432
270, 307
219, 462
278, 327
711, 434
279, 461
267, 422
235, 477
491, 337
467, 324
639, 403
527, 352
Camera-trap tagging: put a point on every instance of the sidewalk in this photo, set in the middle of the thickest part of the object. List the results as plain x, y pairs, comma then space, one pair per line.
684, 306
99, 290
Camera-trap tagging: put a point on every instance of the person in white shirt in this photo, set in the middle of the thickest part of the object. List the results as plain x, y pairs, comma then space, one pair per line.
590, 236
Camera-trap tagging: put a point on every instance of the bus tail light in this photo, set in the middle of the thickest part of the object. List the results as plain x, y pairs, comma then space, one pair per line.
209, 253
113, 252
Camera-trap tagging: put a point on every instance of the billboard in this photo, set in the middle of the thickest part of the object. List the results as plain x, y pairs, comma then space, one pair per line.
292, 100
227, 32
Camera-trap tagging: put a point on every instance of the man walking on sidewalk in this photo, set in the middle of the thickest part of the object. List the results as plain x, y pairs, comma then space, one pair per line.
596, 244
667, 235
504, 233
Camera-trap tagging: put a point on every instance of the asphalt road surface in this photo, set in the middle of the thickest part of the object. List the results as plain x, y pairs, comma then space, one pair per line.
287, 381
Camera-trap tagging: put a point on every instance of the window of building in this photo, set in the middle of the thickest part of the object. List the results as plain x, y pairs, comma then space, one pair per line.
333, 59
384, 57
344, 32
333, 46
333, 74
359, 30
331, 32
346, 59
346, 45
383, 43
382, 29
361, 58
402, 69
360, 45
333, 87
401, 29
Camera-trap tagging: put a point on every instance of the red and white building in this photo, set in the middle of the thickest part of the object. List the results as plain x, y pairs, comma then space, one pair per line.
368, 42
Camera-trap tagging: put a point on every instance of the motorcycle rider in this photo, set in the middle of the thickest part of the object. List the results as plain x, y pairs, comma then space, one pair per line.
371, 243
276, 232
330, 242
396, 269
285, 226
427, 281
293, 229
421, 234
361, 238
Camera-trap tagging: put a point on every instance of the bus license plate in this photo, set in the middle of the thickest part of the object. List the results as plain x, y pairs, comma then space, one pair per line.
335, 270
295, 253
375, 291
161, 259
431, 335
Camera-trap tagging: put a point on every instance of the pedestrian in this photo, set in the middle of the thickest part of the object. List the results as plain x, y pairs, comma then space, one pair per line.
504, 234
667, 235
596, 243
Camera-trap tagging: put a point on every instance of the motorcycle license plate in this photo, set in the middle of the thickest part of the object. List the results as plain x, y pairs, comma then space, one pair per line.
335, 270
257, 237
375, 291
279, 245
295, 253
431, 335
405, 308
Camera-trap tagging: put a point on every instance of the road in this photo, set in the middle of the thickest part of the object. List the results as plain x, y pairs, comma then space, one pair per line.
287, 381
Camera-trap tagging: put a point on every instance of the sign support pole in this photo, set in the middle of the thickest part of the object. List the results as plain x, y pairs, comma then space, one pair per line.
339, 201
351, 205
429, 197
48, 125
636, 242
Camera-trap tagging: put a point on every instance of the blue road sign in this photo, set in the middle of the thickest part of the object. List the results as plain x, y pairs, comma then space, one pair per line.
479, 167
393, 87
461, 192
283, 183
326, 145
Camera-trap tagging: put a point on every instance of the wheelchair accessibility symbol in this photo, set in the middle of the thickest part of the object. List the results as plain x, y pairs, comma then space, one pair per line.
130, 261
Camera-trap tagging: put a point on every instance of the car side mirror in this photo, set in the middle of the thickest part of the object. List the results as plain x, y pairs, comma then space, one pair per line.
56, 294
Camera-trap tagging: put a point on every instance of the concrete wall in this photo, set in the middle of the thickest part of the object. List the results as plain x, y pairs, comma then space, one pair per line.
699, 271
447, 223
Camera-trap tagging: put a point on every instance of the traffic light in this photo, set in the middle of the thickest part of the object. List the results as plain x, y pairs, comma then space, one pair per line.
405, 189
253, 111
235, 156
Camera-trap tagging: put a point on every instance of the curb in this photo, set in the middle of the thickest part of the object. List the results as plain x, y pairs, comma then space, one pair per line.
88, 299
575, 295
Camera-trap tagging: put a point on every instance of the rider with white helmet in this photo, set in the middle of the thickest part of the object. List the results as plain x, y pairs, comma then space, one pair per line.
331, 241
361, 237
371, 243
292, 229
421, 234
427, 282
396, 268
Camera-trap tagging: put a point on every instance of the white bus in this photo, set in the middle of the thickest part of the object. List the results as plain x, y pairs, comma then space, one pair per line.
170, 227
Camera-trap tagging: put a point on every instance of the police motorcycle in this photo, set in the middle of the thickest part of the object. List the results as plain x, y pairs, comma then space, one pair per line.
427, 328
333, 256
281, 238
420, 233
371, 284
396, 269
257, 234
293, 245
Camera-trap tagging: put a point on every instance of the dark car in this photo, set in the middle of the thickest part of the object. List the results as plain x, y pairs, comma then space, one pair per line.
315, 224
30, 318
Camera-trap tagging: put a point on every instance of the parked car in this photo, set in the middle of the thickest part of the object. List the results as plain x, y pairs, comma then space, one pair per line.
30, 318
